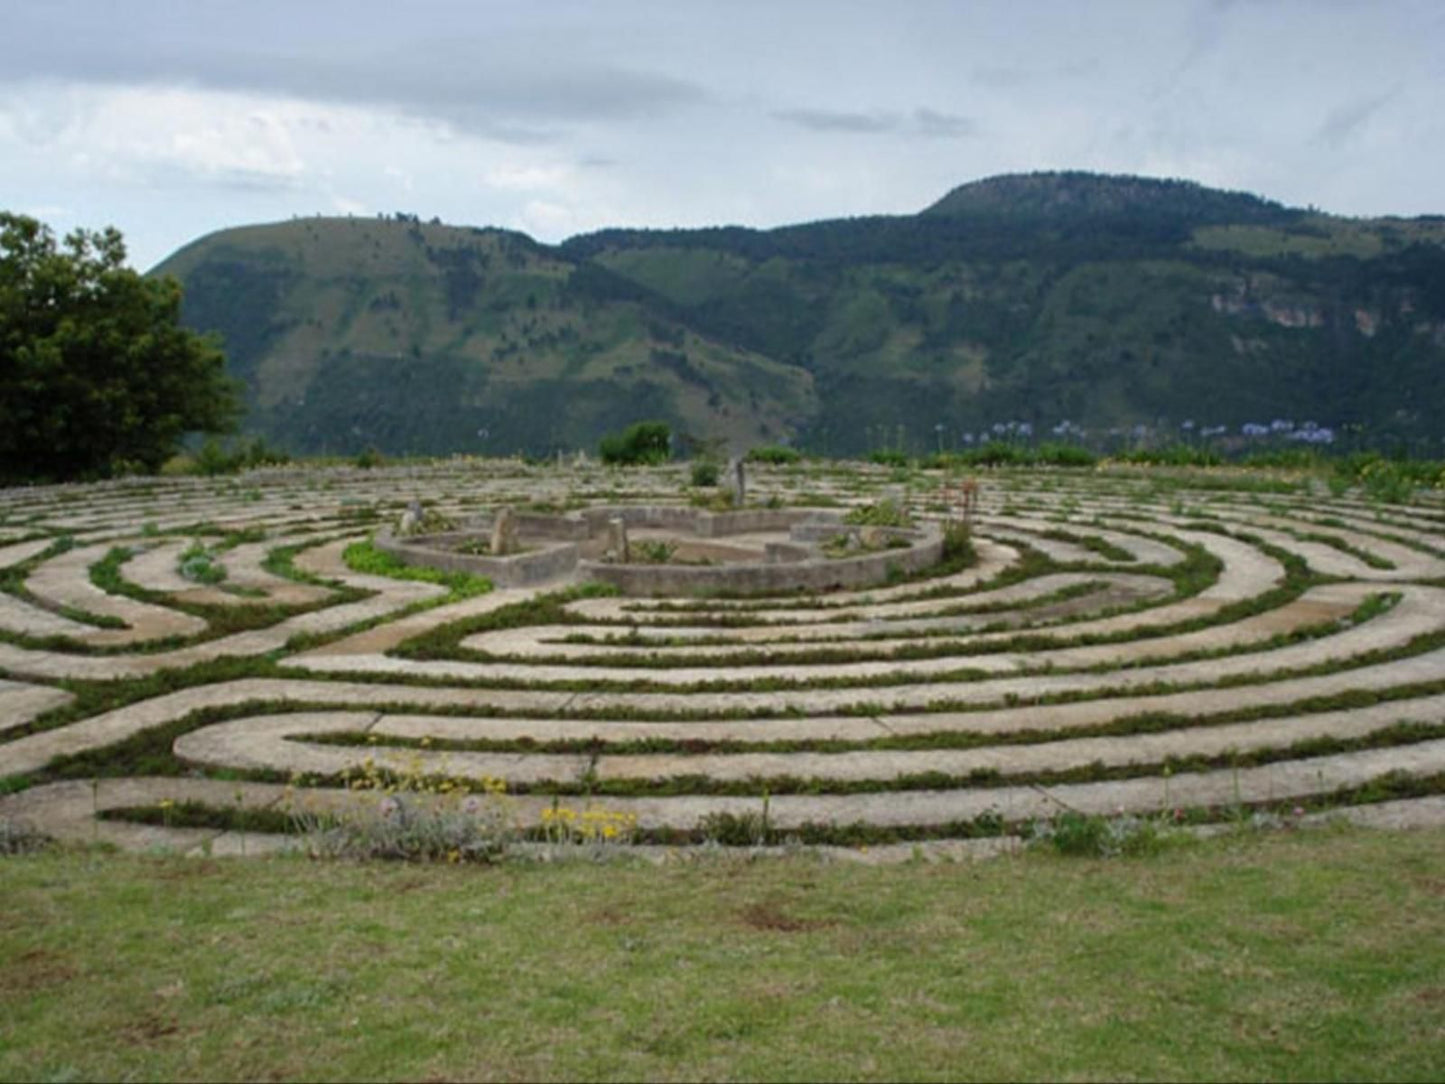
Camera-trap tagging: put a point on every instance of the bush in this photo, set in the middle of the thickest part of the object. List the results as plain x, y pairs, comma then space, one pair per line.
884, 513
1065, 455
997, 454
454, 826
642, 444
1176, 455
888, 457
777, 454
653, 551
214, 458
705, 472
958, 543
1082, 835
1389, 480
747, 829
199, 565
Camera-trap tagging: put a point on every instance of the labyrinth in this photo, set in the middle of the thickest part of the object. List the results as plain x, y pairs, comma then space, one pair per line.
1194, 647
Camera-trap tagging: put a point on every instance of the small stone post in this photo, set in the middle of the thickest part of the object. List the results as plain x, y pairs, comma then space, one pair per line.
621, 551
738, 480
411, 518
504, 533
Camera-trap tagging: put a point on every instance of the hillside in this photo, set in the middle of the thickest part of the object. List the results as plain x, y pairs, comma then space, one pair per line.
353, 333
1109, 302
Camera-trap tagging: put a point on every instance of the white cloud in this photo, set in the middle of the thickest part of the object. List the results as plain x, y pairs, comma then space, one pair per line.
547, 221
703, 113
519, 176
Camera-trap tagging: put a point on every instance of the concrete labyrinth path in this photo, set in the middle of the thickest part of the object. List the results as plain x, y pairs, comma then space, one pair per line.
1193, 646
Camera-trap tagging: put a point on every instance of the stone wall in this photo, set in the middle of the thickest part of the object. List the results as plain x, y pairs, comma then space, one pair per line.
550, 562
794, 565
815, 574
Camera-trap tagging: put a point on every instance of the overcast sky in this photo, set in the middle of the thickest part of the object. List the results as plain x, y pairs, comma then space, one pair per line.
173, 119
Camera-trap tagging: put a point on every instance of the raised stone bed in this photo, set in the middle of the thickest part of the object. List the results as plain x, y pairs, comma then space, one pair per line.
572, 546
541, 564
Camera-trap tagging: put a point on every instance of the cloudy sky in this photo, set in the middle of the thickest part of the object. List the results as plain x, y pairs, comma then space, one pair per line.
171, 119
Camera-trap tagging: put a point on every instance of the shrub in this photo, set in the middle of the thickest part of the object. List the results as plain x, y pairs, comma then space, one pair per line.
997, 454
415, 827
777, 454
199, 565
1390, 481
413, 817
214, 458
1175, 455
1065, 455
369, 458
747, 829
958, 542
884, 513
705, 472
641, 444
657, 551
888, 457
1083, 835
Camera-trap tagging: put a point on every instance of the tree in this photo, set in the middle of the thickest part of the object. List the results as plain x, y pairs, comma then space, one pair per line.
96, 374
641, 444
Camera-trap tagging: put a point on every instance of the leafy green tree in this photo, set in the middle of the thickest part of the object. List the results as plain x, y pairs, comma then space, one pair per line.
96, 374
641, 444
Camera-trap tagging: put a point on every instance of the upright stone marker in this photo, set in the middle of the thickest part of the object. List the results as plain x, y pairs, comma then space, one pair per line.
621, 551
737, 479
410, 520
504, 533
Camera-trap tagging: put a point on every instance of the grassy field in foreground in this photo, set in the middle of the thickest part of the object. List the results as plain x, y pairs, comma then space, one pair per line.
1314, 955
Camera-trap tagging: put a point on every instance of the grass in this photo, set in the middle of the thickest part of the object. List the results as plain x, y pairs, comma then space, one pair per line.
1294, 956
366, 558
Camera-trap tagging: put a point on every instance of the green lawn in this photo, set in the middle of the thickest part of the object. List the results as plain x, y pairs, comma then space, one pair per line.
1314, 955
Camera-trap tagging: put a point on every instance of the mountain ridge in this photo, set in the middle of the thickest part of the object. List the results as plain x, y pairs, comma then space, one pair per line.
1104, 301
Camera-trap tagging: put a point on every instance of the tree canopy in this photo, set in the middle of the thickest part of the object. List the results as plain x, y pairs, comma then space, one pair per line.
640, 444
96, 374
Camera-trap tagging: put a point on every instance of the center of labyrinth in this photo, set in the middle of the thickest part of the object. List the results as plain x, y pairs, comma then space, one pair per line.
848, 661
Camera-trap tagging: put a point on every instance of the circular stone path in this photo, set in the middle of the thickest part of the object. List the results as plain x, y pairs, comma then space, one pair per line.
1125, 641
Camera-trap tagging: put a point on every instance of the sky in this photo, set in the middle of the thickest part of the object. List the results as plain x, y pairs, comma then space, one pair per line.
170, 120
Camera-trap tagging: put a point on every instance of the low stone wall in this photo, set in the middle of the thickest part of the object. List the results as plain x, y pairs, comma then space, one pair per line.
565, 528
758, 578
794, 565
551, 562
702, 523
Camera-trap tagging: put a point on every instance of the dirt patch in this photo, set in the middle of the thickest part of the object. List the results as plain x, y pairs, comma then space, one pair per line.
187, 871
148, 1029
769, 915
1431, 886
609, 916
38, 969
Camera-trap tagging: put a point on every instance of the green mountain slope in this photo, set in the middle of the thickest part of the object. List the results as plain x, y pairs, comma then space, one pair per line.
350, 333
1109, 302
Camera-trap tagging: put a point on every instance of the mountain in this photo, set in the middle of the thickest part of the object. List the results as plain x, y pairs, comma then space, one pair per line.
410, 337
1108, 302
